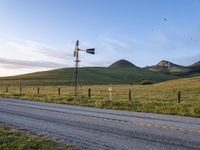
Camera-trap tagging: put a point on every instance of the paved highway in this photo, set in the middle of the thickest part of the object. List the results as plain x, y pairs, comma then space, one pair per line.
92, 128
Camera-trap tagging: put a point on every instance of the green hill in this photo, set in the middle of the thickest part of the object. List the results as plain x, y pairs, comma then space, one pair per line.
88, 75
122, 64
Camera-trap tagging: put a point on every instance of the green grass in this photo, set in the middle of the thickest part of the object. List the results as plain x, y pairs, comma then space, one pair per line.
15, 139
156, 98
89, 76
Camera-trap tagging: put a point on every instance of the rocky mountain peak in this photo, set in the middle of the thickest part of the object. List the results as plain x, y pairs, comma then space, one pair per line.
165, 63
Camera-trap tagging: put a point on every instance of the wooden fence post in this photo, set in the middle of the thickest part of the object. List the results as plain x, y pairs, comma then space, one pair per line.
89, 93
38, 90
130, 95
20, 89
59, 91
110, 92
179, 97
6, 89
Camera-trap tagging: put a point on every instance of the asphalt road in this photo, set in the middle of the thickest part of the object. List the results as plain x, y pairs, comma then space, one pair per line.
92, 128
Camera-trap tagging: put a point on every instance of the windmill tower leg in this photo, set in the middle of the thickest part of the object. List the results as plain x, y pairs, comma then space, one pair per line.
76, 84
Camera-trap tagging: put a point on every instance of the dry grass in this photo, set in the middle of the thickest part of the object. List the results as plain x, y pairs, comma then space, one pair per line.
156, 98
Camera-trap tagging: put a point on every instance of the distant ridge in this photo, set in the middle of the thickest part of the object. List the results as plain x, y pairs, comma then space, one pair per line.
167, 64
195, 67
195, 64
122, 64
167, 67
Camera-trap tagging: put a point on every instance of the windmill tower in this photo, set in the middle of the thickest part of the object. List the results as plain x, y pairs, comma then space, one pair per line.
76, 76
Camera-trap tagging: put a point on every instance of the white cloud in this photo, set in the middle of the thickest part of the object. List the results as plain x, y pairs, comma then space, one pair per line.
31, 55
32, 47
117, 42
17, 64
11, 72
109, 47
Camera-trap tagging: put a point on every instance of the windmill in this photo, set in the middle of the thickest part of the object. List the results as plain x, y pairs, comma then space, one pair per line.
76, 81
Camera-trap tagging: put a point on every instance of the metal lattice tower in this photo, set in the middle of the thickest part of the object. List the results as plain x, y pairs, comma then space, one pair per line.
76, 77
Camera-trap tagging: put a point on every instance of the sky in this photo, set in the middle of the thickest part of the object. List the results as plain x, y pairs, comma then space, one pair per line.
38, 35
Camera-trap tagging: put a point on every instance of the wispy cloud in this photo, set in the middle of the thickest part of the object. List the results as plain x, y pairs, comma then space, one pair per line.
117, 42
17, 64
113, 45
30, 47
109, 47
39, 55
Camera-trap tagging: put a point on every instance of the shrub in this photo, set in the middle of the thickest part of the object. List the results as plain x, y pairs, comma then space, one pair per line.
146, 82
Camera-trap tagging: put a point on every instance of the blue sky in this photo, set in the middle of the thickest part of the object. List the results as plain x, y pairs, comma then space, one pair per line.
39, 35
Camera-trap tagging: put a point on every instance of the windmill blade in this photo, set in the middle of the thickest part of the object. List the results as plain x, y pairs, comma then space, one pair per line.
90, 51
74, 52
77, 43
76, 48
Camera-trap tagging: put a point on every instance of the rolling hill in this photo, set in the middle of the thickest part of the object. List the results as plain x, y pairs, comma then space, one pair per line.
122, 64
121, 72
167, 67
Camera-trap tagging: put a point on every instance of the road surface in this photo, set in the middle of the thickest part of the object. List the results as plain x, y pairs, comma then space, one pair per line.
92, 128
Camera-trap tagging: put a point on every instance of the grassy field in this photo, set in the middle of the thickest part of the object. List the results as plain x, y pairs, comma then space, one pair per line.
156, 98
89, 76
14, 139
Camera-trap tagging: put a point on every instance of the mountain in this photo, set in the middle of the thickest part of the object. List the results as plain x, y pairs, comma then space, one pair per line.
167, 64
195, 67
122, 64
195, 64
121, 72
168, 68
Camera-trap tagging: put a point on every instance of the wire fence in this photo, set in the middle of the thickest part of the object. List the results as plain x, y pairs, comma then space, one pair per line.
102, 93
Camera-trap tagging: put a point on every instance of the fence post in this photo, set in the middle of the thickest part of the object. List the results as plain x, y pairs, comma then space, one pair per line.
20, 89
89, 93
110, 92
59, 91
110, 95
6, 89
38, 90
130, 95
179, 97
